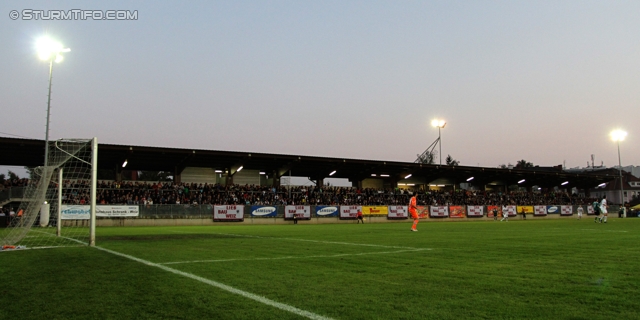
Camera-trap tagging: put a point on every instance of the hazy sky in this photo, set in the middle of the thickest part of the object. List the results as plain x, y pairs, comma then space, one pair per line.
544, 81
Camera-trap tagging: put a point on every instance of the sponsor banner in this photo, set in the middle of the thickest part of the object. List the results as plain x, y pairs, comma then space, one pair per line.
264, 211
423, 212
475, 211
349, 212
494, 211
512, 211
117, 211
228, 213
590, 210
302, 212
439, 211
539, 210
327, 211
525, 209
456, 212
566, 210
370, 210
398, 212
70, 212
553, 209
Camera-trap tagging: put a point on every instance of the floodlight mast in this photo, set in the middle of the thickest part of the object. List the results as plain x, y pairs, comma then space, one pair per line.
51, 50
440, 124
617, 136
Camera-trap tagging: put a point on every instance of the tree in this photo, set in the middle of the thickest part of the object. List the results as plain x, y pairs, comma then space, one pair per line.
451, 161
523, 164
3, 178
30, 172
12, 175
428, 157
505, 166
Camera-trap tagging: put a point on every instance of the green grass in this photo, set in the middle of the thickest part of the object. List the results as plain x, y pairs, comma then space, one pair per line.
545, 269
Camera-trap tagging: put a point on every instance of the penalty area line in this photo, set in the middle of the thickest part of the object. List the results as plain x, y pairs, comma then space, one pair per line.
255, 297
296, 257
321, 241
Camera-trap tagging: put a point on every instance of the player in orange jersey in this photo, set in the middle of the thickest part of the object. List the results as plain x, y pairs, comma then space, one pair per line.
413, 210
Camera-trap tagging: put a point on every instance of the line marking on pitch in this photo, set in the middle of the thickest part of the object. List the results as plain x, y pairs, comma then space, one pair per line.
296, 257
255, 297
316, 241
605, 230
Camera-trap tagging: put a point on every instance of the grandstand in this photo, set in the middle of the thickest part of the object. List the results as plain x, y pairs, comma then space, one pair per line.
247, 168
206, 181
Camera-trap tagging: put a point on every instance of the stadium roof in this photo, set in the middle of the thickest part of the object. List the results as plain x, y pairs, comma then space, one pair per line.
29, 152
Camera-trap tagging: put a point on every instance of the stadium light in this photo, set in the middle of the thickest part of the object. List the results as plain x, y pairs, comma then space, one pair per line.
521, 181
239, 169
332, 173
373, 175
602, 185
49, 49
617, 136
262, 172
124, 164
564, 183
469, 179
408, 176
384, 175
440, 124
218, 171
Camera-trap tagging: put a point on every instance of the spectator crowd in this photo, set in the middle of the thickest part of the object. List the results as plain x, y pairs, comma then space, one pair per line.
147, 193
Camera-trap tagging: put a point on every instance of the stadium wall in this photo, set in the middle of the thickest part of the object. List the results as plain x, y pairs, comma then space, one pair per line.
168, 215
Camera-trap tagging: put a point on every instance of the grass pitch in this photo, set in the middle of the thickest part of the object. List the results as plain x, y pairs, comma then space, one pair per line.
545, 269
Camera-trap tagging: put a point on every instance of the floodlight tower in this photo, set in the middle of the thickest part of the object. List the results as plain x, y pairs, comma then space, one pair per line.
440, 124
617, 136
51, 50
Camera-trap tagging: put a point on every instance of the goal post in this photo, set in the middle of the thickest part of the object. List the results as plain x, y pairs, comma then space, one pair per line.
59, 203
94, 184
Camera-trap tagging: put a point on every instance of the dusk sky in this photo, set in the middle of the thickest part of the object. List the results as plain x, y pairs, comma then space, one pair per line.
544, 81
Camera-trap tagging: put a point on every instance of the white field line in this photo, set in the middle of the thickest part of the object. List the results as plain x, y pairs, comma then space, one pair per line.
605, 230
298, 257
225, 287
316, 241
38, 248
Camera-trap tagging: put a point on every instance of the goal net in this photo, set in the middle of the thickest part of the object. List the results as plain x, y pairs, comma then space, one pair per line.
58, 206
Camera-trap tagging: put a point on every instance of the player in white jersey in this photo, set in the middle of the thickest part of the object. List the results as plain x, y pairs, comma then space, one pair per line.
580, 210
505, 215
603, 209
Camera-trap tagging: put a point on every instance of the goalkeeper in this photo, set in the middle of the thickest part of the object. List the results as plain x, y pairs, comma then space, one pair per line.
413, 211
